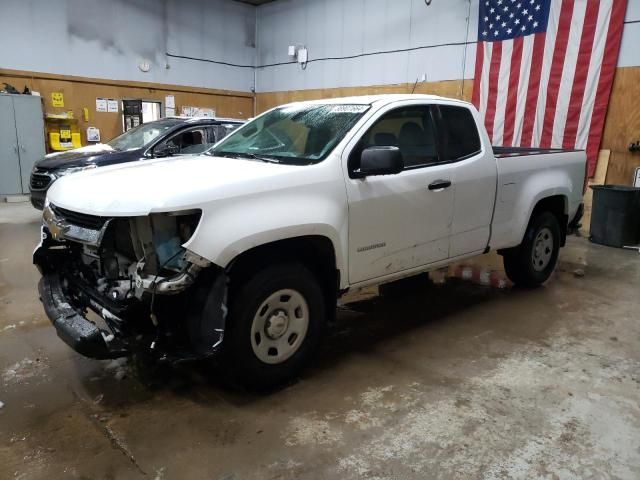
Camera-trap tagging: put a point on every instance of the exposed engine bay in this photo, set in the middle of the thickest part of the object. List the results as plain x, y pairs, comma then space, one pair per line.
135, 274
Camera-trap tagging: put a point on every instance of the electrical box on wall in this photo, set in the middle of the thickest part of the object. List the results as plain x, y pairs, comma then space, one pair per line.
302, 55
292, 50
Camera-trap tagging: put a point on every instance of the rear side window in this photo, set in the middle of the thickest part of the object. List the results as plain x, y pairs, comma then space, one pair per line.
459, 133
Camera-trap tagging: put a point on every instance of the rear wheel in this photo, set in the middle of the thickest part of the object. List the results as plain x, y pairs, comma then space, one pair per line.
275, 323
532, 262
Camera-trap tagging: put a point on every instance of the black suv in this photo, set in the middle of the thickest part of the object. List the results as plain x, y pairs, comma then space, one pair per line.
162, 138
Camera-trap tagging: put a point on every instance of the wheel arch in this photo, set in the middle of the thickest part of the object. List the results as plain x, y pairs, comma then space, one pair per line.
316, 252
558, 205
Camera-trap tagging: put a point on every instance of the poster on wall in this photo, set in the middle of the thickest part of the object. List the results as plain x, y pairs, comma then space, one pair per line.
57, 99
187, 111
101, 104
93, 134
112, 105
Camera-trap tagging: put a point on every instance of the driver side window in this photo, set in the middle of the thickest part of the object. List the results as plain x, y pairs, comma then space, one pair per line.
192, 141
411, 129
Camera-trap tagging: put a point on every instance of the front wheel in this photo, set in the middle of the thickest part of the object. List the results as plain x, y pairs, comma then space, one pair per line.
532, 262
275, 323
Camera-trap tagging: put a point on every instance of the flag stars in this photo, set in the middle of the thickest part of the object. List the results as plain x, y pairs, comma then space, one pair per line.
505, 9
497, 17
484, 34
490, 26
523, 28
530, 17
486, 19
492, 10
535, 24
495, 33
517, 22
537, 7
509, 31
511, 15
504, 24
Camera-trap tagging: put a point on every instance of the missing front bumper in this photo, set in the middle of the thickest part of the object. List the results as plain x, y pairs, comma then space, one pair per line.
72, 327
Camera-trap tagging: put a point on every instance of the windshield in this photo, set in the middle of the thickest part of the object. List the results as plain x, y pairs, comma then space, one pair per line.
295, 134
142, 135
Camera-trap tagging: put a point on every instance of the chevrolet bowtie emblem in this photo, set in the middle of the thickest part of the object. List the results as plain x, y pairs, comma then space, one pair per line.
57, 228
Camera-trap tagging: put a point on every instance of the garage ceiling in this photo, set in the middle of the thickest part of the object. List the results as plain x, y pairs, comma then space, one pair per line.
255, 2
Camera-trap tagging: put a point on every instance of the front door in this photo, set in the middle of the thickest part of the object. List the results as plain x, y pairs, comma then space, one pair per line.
402, 221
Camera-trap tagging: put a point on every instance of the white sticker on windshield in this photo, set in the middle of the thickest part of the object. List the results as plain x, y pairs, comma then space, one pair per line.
348, 108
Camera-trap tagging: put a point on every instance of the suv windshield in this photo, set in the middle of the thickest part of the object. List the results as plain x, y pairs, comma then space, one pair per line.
294, 134
142, 135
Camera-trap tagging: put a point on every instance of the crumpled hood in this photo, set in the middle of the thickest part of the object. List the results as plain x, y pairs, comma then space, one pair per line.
172, 184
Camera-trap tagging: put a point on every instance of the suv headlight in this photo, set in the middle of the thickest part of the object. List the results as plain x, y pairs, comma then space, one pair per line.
67, 171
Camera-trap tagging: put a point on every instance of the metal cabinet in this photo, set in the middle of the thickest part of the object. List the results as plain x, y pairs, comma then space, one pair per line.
21, 141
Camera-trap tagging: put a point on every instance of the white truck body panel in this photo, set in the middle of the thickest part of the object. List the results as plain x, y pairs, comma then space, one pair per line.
381, 227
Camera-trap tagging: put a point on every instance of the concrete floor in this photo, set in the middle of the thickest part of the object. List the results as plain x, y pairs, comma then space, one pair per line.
455, 381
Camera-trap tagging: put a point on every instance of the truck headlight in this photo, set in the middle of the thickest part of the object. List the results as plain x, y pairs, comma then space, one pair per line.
67, 171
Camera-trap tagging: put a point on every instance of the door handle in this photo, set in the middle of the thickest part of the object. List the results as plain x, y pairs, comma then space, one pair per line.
439, 185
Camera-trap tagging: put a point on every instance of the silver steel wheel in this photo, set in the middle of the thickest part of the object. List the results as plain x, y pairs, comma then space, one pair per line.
279, 326
542, 249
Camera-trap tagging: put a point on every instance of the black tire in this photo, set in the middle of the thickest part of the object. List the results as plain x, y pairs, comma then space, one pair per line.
520, 263
247, 369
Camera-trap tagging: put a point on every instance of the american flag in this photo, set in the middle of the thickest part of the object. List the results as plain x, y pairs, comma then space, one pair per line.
544, 70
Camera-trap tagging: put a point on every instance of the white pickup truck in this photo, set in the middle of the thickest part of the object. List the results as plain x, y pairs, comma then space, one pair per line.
244, 251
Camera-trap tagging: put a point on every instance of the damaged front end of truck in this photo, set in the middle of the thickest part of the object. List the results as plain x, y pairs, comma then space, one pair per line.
115, 286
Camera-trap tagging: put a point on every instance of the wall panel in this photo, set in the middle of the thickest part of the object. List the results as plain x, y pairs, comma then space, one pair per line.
82, 92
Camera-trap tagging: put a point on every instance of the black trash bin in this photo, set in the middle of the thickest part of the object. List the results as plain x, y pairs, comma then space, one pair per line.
615, 215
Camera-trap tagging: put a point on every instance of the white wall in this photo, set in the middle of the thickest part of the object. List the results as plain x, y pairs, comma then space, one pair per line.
335, 28
109, 38
630, 46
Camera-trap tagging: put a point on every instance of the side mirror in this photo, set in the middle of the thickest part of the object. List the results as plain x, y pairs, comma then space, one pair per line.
165, 150
380, 161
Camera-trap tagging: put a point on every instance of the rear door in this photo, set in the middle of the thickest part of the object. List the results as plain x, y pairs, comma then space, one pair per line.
397, 222
474, 173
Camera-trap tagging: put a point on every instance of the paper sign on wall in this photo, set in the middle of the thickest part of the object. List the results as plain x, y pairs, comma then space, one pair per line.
101, 104
170, 101
197, 112
57, 99
112, 105
93, 134
636, 180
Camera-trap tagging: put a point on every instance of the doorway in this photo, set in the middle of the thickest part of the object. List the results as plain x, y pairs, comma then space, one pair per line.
150, 111
136, 112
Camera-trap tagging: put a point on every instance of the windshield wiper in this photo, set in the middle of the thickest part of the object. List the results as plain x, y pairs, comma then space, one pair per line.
252, 156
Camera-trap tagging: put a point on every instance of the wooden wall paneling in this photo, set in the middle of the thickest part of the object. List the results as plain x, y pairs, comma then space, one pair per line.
622, 126
450, 88
80, 93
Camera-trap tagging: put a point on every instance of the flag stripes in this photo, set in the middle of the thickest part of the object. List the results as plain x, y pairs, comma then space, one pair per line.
543, 77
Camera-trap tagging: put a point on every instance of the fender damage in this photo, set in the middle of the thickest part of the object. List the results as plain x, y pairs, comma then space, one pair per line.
149, 293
